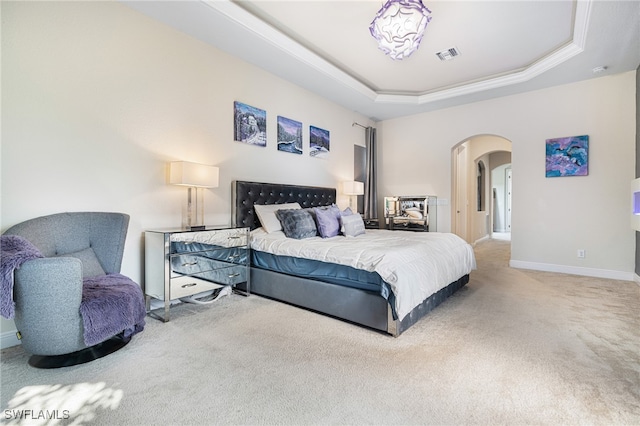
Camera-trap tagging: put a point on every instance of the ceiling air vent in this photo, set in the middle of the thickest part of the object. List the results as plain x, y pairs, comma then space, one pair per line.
448, 54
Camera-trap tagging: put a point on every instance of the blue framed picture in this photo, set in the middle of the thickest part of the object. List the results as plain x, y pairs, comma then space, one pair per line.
567, 156
289, 135
318, 142
250, 124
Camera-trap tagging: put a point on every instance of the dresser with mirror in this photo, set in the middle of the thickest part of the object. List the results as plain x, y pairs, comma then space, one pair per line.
411, 213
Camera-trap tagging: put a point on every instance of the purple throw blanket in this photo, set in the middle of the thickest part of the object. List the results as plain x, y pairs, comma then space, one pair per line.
14, 251
111, 304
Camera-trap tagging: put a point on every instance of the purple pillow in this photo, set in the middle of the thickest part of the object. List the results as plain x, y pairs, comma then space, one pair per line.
328, 221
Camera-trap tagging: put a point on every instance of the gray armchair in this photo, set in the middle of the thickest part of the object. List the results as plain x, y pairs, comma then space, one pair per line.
54, 295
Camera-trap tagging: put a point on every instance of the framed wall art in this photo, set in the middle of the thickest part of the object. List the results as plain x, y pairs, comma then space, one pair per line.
318, 142
567, 156
289, 135
250, 124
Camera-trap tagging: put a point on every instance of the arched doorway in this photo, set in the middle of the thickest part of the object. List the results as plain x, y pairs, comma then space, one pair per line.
501, 192
474, 196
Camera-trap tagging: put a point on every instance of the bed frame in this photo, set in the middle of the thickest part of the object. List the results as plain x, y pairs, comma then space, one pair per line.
350, 304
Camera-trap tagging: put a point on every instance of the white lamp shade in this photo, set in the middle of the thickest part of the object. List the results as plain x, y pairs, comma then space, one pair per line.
193, 174
353, 188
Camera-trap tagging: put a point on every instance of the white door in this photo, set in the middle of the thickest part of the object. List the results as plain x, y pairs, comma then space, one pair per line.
508, 200
461, 192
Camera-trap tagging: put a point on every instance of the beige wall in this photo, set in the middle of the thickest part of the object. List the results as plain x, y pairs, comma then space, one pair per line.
97, 98
552, 217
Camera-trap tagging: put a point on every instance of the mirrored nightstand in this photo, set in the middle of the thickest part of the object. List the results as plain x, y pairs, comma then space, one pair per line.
371, 223
181, 263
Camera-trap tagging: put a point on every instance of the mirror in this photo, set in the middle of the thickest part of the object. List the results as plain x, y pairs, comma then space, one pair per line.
410, 212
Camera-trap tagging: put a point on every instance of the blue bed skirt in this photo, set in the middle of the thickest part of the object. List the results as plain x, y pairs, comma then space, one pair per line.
341, 275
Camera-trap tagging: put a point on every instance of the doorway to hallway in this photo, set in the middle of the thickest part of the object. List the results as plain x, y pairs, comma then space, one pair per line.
481, 188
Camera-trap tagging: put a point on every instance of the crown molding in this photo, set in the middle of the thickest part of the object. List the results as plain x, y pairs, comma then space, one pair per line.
292, 48
286, 44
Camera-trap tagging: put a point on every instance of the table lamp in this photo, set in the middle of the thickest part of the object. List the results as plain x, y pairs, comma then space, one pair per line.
195, 177
352, 188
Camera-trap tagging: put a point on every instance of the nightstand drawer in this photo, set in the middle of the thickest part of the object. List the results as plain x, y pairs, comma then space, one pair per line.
188, 286
218, 272
208, 260
201, 241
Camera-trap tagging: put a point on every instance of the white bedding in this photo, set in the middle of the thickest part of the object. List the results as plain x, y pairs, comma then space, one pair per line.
414, 264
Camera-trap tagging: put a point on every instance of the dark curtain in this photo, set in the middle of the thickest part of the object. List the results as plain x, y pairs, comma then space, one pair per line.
371, 181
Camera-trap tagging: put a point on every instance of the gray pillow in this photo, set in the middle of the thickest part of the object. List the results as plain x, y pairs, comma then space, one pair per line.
267, 215
353, 225
91, 266
297, 223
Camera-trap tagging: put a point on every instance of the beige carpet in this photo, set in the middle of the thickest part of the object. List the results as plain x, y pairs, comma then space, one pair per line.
512, 347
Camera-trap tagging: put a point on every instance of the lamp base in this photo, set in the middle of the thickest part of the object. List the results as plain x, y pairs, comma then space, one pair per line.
193, 216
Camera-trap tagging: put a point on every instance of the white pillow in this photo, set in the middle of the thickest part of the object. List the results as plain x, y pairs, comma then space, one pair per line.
353, 225
413, 212
267, 215
343, 213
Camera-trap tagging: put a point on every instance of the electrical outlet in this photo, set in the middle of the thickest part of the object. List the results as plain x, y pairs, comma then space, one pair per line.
581, 253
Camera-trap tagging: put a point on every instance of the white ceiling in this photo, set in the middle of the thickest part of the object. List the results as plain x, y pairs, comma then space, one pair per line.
506, 47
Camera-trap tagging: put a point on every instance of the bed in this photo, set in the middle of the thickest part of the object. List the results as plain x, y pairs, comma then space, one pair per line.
379, 293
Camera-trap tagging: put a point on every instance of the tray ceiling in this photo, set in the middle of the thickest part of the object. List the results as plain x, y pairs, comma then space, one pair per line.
505, 47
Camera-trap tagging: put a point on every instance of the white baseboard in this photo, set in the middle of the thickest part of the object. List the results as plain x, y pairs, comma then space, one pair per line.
486, 237
8, 339
636, 278
574, 270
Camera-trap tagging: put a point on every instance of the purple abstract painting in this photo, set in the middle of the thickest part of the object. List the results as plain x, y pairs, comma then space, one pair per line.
568, 156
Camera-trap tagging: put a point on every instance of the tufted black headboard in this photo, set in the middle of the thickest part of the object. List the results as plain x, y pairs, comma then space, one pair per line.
246, 194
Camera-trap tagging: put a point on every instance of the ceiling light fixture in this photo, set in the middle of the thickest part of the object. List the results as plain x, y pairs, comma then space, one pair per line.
600, 69
399, 26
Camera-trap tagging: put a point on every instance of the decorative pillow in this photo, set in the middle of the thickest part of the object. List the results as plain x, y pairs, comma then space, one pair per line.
267, 215
91, 266
353, 225
297, 223
312, 210
343, 213
328, 221
413, 212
